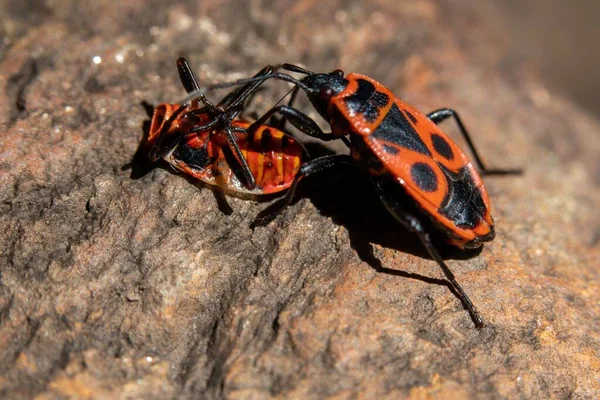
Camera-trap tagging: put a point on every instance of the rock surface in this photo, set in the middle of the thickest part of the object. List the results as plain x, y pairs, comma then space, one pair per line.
112, 286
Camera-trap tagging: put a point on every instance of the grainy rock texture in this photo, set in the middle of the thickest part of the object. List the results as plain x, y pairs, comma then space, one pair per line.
120, 282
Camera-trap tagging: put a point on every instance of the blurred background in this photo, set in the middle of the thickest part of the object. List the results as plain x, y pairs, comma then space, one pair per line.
558, 37
561, 39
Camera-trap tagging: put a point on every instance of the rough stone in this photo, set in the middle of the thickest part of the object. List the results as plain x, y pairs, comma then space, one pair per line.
117, 281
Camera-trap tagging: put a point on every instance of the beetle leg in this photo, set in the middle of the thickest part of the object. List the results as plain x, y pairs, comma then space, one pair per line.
233, 99
239, 96
227, 109
187, 77
300, 121
414, 225
308, 168
190, 84
286, 113
246, 171
442, 114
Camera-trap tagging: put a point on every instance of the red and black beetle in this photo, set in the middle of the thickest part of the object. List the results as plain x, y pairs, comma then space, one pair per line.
272, 156
213, 146
401, 148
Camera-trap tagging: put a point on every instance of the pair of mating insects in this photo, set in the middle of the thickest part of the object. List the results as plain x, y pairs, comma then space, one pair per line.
405, 153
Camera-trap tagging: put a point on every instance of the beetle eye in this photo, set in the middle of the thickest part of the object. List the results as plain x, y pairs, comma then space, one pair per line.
326, 92
339, 72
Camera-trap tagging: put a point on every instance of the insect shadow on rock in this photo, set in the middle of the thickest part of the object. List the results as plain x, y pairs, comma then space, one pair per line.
140, 165
366, 220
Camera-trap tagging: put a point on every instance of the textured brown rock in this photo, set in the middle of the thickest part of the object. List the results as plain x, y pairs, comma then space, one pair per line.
142, 288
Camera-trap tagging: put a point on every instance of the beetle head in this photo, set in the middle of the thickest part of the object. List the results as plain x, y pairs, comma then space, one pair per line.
320, 88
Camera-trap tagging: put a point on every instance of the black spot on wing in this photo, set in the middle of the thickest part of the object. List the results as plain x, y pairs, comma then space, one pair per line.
442, 147
396, 129
366, 101
379, 99
424, 177
463, 203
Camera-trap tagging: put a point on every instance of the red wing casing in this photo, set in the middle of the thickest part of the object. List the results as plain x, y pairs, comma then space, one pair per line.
423, 159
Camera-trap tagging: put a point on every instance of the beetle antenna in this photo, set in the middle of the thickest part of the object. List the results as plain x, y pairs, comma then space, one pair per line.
296, 68
277, 75
284, 96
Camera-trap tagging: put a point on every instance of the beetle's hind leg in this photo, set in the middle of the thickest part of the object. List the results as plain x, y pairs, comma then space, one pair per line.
308, 168
414, 225
442, 114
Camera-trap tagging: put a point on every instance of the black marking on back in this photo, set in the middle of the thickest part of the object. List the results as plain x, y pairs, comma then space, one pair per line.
193, 157
366, 101
265, 139
442, 147
396, 129
424, 177
411, 117
463, 204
